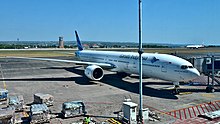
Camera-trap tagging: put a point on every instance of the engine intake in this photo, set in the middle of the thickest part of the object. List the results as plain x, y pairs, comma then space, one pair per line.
94, 72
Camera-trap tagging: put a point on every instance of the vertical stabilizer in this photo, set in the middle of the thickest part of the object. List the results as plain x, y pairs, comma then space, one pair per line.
79, 45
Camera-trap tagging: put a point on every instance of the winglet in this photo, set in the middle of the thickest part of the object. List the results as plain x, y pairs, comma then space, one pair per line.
79, 45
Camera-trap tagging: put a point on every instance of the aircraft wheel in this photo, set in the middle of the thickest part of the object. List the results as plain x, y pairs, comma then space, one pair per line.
176, 91
207, 89
210, 89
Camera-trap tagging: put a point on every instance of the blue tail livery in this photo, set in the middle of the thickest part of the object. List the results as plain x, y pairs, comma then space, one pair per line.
79, 45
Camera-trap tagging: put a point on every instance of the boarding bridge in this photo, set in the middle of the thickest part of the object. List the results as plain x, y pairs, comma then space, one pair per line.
210, 63
209, 66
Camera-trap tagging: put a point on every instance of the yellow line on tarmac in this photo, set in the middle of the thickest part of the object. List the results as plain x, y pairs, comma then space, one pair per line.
208, 95
184, 93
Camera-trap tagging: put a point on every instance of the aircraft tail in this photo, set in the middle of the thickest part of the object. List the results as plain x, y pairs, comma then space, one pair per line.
79, 45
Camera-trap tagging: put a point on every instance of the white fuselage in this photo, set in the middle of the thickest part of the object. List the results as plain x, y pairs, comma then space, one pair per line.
161, 66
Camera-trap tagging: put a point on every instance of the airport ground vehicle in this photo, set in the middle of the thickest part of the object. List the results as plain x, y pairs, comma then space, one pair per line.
73, 108
6, 116
40, 98
39, 113
3, 94
16, 102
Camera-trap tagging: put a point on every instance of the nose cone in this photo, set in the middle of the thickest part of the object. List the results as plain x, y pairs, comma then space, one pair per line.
195, 73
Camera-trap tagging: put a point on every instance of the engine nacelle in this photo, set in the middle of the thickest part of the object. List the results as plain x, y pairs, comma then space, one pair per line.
94, 72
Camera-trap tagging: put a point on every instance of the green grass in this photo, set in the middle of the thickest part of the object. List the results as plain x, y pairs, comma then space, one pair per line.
36, 53
70, 52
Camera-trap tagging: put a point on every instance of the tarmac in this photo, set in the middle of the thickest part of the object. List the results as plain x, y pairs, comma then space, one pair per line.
66, 82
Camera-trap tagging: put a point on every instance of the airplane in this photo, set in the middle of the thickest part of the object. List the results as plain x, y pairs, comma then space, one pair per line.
195, 46
160, 66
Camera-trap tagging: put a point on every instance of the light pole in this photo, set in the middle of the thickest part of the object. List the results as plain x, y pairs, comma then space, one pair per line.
140, 51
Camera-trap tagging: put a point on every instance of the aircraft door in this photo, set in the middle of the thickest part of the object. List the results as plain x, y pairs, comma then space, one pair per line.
132, 66
164, 68
127, 67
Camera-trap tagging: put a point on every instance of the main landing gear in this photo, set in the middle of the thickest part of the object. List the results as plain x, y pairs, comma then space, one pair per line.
210, 89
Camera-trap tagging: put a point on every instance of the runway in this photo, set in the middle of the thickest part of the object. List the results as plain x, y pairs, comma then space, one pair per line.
66, 82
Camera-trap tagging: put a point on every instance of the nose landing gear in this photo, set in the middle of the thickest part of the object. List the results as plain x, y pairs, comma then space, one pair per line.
176, 89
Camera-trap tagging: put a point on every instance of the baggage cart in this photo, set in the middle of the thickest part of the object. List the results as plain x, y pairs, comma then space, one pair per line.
3, 94
39, 113
16, 102
73, 108
40, 98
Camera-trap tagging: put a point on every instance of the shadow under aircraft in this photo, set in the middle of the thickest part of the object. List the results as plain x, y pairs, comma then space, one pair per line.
110, 79
117, 81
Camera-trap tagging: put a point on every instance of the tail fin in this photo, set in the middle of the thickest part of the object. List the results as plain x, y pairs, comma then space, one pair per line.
79, 45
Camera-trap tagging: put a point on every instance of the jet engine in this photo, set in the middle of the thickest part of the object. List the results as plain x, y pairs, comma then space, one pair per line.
94, 72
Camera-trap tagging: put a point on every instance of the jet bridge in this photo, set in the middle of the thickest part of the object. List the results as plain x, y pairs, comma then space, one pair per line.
209, 63
209, 66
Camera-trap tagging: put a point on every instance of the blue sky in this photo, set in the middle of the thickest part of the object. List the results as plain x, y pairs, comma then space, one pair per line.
164, 21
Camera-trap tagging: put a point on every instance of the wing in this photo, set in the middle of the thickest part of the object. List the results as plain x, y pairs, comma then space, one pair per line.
103, 65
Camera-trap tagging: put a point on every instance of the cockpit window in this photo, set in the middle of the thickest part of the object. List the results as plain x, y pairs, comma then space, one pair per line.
190, 66
185, 66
